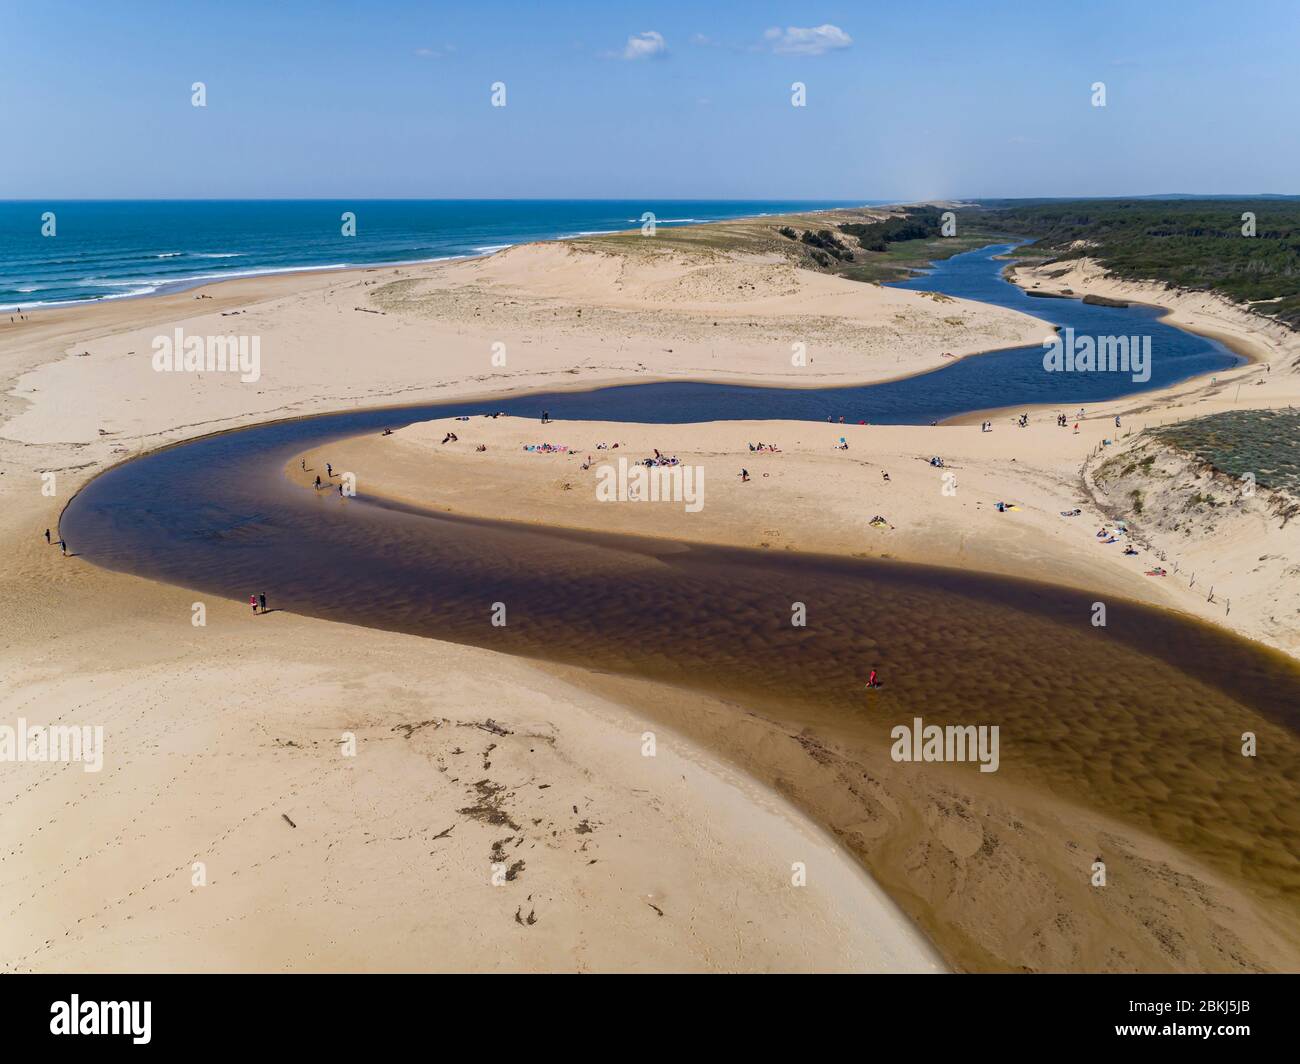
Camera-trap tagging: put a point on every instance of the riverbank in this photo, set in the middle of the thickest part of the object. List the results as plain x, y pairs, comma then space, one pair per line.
1253, 336
227, 831
820, 491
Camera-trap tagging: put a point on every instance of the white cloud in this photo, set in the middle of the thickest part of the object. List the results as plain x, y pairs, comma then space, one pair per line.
813, 40
645, 45
435, 53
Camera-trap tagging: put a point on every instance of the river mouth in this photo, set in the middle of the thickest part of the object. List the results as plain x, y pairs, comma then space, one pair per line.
1141, 719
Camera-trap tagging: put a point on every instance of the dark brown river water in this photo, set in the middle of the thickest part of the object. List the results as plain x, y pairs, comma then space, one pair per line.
1142, 718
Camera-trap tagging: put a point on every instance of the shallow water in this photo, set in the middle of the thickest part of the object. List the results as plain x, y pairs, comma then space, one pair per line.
1141, 718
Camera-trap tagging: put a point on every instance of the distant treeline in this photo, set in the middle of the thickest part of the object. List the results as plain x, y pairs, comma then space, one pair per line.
918, 223
1190, 243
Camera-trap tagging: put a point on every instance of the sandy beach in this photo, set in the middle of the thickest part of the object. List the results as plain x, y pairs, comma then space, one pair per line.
223, 741
228, 736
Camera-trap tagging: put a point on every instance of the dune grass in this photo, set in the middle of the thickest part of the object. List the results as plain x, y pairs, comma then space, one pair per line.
1264, 443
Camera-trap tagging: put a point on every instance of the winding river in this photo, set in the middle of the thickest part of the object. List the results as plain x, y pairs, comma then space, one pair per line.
1143, 716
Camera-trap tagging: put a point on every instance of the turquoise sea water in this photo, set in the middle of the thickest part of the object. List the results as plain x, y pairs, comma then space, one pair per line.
117, 248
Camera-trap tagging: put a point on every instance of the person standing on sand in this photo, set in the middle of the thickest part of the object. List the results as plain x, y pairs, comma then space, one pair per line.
63, 546
261, 599
744, 475
546, 417
318, 482
252, 601
329, 470
872, 680
47, 535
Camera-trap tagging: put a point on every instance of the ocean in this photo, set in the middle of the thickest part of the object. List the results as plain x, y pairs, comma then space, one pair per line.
114, 249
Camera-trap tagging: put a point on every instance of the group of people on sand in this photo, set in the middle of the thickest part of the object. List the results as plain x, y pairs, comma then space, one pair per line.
63, 543
258, 602
986, 426
1106, 535
770, 448
661, 460
329, 473
547, 448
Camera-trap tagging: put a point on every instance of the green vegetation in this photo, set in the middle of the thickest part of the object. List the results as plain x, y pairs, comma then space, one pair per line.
826, 241
917, 223
1187, 242
904, 258
1263, 443
1190, 243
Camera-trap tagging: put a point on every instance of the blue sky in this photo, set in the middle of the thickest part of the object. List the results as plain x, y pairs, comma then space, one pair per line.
609, 99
